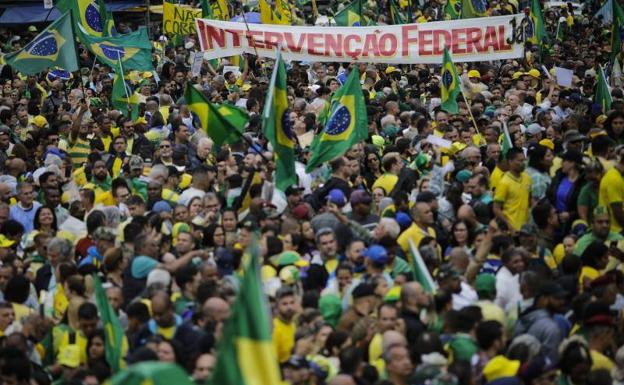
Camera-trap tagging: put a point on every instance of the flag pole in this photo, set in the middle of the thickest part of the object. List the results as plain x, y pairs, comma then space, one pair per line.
122, 78
249, 32
472, 119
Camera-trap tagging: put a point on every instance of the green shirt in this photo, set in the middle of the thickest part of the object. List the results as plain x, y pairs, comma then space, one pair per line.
588, 238
399, 266
462, 348
588, 197
182, 304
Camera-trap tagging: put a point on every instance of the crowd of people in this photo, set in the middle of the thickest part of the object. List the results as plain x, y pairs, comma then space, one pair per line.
522, 247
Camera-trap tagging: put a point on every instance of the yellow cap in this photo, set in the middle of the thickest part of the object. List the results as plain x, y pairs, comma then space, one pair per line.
456, 147
147, 75
140, 120
391, 69
534, 73
267, 272
185, 181
40, 121
558, 253
499, 367
246, 87
517, 75
474, 74
547, 143
5, 242
601, 119
70, 356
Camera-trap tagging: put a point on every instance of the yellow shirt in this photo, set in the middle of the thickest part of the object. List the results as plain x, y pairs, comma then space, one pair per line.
492, 312
387, 182
81, 341
612, 192
21, 311
416, 234
283, 338
375, 348
496, 176
600, 361
79, 152
587, 272
515, 194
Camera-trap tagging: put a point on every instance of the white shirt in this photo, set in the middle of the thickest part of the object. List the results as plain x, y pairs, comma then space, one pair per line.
507, 288
189, 194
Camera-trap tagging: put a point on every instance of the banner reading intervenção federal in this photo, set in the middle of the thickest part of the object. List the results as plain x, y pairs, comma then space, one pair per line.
482, 39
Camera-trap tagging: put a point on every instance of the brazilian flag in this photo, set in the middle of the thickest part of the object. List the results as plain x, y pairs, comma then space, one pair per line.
278, 127
449, 84
351, 16
53, 47
116, 344
151, 373
617, 31
215, 9
347, 123
133, 49
535, 32
473, 8
452, 10
91, 15
395, 13
223, 123
602, 97
123, 96
245, 352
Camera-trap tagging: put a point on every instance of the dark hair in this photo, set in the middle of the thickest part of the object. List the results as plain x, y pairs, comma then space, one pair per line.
88, 311
98, 333
335, 339
95, 220
139, 311
488, 332
185, 275
209, 234
37, 222
608, 124
592, 253
536, 157
513, 152
541, 212
17, 289
469, 229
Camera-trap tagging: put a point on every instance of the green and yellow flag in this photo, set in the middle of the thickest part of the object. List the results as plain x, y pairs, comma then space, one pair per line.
473, 8
449, 84
535, 32
91, 15
215, 9
602, 97
53, 47
133, 49
452, 10
352, 15
245, 352
151, 373
223, 123
268, 15
278, 127
347, 123
116, 342
123, 97
396, 14
617, 30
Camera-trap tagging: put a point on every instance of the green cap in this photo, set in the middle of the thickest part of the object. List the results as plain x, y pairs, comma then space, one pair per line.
331, 308
485, 284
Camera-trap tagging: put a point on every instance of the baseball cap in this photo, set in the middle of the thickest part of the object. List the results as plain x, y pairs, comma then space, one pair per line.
534, 129
573, 136
330, 307
499, 367
5, 242
463, 176
337, 197
391, 69
40, 121
547, 143
291, 258
485, 284
528, 229
360, 197
161, 207
534, 73
135, 163
447, 271
474, 74
142, 265
104, 234
377, 254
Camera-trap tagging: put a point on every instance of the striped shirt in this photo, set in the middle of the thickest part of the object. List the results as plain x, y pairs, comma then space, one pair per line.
79, 152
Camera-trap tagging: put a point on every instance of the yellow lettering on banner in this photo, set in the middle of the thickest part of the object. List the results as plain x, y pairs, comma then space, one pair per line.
178, 19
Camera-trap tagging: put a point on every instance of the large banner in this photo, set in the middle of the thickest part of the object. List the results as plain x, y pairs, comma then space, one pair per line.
179, 19
482, 39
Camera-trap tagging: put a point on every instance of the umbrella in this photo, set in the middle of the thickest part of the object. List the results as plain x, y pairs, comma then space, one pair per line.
251, 17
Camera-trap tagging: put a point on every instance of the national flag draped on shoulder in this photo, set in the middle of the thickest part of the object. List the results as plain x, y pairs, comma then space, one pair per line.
91, 15
53, 47
347, 123
116, 344
134, 49
245, 352
223, 123
450, 84
278, 127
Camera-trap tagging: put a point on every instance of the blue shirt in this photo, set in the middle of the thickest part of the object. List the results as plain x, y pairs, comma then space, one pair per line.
561, 201
25, 217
